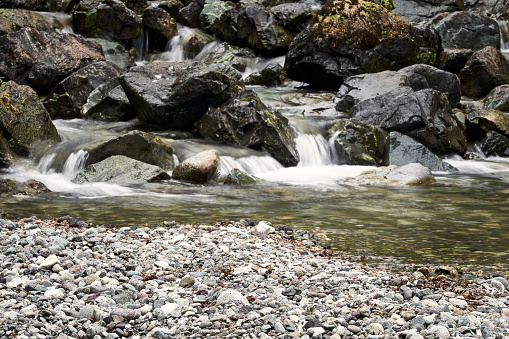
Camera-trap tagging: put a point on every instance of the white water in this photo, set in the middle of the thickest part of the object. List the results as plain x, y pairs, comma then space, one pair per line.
141, 48
314, 150
504, 36
254, 165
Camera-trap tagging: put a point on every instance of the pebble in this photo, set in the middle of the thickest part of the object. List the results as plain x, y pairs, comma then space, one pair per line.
227, 280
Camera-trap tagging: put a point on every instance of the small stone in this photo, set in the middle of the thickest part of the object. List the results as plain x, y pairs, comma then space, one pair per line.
49, 262
440, 332
265, 227
376, 329
230, 296
279, 328
162, 264
460, 303
54, 293
354, 329
187, 281
497, 285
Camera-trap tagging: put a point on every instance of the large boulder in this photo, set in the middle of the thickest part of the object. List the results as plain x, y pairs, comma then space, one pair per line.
481, 121
486, 69
293, 16
211, 13
201, 167
68, 97
109, 19
23, 119
246, 121
227, 54
121, 170
498, 99
33, 5
410, 174
404, 150
160, 27
41, 60
12, 20
174, 95
190, 15
494, 8
137, 145
354, 37
453, 60
29, 187
357, 143
465, 30
272, 75
494, 144
250, 24
416, 11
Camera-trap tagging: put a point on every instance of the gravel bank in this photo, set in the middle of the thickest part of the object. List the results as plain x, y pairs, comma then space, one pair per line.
64, 278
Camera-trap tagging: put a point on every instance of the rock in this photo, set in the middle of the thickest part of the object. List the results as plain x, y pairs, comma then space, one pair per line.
49, 262
187, 281
481, 121
416, 11
29, 187
33, 5
109, 19
121, 170
41, 60
405, 150
160, 27
466, 30
190, 15
340, 45
172, 310
494, 144
293, 16
453, 60
201, 167
174, 95
23, 120
237, 177
244, 120
67, 99
225, 53
272, 75
173, 7
265, 227
160, 333
137, 145
492, 8
503, 281
54, 293
357, 143
424, 76
211, 13
250, 24
440, 332
486, 69
411, 174
12, 20
460, 303
116, 53
498, 99
89, 312
230, 296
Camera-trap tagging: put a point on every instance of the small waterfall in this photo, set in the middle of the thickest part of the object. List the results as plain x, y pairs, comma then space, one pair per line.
251, 165
504, 36
141, 47
314, 150
75, 163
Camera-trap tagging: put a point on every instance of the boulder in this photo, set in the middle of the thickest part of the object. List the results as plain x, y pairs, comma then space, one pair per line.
193, 42
244, 120
33, 5
211, 13
121, 170
225, 53
498, 99
272, 75
109, 19
411, 174
5, 152
481, 121
41, 60
404, 150
116, 53
68, 97
239, 178
137, 145
453, 60
293, 16
108, 102
173, 7
425, 76
416, 11
190, 15
12, 20
250, 24
485, 70
23, 119
466, 30
201, 167
136, 6
160, 27
343, 40
494, 144
493, 8
174, 95
30, 187
357, 143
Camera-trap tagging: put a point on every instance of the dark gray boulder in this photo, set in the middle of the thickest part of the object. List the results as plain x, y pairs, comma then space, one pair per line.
244, 120
416, 11
404, 150
357, 143
190, 15
293, 16
41, 60
33, 5
121, 170
211, 13
494, 144
68, 97
136, 6
173, 7
227, 54
494, 8
498, 99
201, 167
272, 75
174, 95
486, 69
160, 27
453, 60
465, 30
29, 187
12, 20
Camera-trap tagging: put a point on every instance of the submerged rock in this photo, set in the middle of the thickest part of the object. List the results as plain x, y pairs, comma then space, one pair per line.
121, 170
201, 167
411, 174
237, 177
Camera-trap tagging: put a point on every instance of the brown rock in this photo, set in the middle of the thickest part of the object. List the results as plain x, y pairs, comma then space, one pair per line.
201, 167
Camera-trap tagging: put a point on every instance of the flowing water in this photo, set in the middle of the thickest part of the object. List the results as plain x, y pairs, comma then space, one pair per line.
464, 219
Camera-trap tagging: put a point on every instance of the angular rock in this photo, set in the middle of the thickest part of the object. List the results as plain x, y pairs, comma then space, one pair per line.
411, 174
137, 145
357, 143
237, 177
211, 13
174, 95
494, 144
293, 16
41, 60
172, 7
12, 20
30, 187
190, 15
49, 262
404, 150
226, 53
481, 121
486, 69
493, 8
272, 75
33, 5
201, 167
67, 99
246, 121
109, 19
453, 60
121, 170
498, 99
231, 296
160, 27
416, 11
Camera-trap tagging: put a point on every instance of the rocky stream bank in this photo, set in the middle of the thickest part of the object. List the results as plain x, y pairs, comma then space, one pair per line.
64, 278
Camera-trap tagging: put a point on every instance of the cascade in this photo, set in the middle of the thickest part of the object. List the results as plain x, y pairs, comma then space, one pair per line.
504, 36
314, 150
141, 47
251, 165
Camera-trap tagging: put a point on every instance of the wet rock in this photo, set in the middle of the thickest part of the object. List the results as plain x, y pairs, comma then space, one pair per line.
211, 13
12, 20
405, 150
325, 60
481, 121
33, 5
416, 11
293, 16
137, 145
174, 95
272, 75
172, 7
485, 70
357, 143
411, 174
245, 120
41, 60
492, 8
201, 167
160, 27
226, 53
66, 100
498, 99
30, 187
237, 177
190, 15
494, 144
466, 30
106, 19
453, 60
120, 170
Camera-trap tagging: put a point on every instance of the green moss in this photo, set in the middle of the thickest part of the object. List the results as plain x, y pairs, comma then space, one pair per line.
258, 103
428, 57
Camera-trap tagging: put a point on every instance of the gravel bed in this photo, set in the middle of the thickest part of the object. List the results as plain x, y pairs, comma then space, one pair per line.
64, 278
